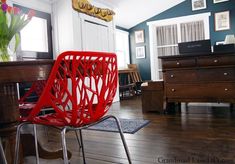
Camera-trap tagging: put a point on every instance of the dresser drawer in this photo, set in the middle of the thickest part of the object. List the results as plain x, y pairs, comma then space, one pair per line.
204, 91
183, 76
200, 75
216, 60
178, 63
217, 74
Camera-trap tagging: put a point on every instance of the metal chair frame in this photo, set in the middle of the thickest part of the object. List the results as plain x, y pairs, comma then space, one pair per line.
63, 139
2, 154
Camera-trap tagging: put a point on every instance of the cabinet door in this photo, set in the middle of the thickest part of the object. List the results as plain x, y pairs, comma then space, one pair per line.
96, 37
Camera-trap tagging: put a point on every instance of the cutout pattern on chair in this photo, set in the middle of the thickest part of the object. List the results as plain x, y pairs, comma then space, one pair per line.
91, 92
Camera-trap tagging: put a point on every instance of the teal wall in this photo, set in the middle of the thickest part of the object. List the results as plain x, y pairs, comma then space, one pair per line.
182, 9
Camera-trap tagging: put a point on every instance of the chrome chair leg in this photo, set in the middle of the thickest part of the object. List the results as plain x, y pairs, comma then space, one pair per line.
121, 134
63, 140
18, 143
83, 152
76, 133
2, 154
36, 143
123, 138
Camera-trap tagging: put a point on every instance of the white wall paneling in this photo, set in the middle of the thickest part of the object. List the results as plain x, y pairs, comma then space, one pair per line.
77, 31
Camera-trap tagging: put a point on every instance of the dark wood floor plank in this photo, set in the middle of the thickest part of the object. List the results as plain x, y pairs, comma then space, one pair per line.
198, 134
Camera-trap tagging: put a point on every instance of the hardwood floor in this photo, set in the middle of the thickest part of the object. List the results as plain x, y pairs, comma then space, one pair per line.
197, 135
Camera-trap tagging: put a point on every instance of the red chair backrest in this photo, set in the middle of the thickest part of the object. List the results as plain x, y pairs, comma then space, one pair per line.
80, 88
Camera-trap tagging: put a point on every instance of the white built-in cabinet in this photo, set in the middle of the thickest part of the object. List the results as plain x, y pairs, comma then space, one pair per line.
77, 31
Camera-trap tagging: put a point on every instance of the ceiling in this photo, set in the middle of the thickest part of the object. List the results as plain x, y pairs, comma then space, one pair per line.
132, 12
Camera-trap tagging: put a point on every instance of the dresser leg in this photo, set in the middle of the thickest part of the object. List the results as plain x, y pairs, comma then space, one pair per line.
179, 107
231, 107
170, 108
164, 107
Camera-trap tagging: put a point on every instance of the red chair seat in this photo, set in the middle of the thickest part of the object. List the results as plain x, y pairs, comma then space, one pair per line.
25, 109
54, 118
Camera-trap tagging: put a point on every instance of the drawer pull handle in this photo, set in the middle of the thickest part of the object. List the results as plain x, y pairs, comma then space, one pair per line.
178, 63
172, 76
225, 73
215, 61
173, 90
226, 89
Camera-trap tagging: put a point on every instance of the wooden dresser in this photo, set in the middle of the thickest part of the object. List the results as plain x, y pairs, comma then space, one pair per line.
199, 78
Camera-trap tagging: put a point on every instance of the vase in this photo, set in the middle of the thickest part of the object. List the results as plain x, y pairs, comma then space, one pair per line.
6, 54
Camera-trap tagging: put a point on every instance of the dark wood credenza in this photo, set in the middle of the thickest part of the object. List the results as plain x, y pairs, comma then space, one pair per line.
199, 78
10, 74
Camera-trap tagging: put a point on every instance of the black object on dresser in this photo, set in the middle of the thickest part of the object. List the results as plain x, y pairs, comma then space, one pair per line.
200, 46
199, 78
224, 48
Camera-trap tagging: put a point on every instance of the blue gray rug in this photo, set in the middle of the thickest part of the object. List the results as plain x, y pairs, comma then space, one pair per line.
128, 125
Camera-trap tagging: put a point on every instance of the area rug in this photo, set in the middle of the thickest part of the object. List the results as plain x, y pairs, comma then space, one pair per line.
128, 125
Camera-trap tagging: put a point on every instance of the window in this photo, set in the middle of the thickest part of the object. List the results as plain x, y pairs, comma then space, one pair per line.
36, 37
166, 34
39, 39
122, 48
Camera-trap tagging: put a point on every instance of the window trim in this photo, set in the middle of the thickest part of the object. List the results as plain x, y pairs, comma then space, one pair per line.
164, 22
34, 54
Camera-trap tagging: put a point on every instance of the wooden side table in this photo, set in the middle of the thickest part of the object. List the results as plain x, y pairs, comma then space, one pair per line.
152, 96
126, 84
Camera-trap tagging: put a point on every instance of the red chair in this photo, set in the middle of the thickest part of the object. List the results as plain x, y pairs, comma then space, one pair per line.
87, 83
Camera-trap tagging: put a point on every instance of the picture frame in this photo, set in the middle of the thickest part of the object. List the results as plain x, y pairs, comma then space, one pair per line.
218, 1
198, 4
140, 52
222, 21
139, 36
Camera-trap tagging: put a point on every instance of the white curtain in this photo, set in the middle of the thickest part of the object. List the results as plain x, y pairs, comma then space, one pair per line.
192, 31
167, 39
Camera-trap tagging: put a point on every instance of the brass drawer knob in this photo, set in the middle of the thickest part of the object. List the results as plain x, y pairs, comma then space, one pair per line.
225, 73
226, 89
172, 76
178, 63
215, 61
173, 90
